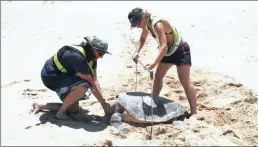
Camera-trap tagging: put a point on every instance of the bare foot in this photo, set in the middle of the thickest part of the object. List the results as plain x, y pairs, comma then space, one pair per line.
63, 117
193, 117
36, 108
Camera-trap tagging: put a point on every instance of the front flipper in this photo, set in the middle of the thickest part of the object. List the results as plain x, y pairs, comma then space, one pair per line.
116, 121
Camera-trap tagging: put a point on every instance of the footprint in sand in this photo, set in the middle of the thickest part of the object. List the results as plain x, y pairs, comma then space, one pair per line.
235, 84
161, 130
178, 91
202, 95
197, 83
32, 94
108, 143
129, 66
251, 100
116, 133
231, 133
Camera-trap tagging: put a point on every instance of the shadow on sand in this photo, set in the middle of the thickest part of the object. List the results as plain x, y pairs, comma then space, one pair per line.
90, 123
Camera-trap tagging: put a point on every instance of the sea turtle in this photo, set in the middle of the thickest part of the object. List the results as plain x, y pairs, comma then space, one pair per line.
136, 107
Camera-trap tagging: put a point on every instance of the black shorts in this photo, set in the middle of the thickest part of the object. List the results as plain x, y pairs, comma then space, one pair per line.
182, 56
62, 83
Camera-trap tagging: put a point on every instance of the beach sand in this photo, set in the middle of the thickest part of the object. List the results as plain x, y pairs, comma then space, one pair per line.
224, 72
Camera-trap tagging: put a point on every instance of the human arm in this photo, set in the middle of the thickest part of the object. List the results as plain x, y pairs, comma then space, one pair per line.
159, 29
82, 70
141, 42
95, 76
95, 88
96, 91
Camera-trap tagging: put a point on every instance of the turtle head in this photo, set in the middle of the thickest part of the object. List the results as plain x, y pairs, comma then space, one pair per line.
113, 105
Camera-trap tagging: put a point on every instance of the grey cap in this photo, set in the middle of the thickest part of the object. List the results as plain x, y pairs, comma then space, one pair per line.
97, 43
135, 16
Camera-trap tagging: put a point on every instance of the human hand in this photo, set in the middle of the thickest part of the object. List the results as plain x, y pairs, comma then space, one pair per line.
107, 108
151, 66
135, 57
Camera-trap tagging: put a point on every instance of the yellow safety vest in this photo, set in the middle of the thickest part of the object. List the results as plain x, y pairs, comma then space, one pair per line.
63, 70
177, 37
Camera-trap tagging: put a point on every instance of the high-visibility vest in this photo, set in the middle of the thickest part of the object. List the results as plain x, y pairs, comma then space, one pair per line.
177, 37
79, 48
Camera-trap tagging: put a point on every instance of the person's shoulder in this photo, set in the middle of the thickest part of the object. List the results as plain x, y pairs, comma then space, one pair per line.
155, 19
73, 54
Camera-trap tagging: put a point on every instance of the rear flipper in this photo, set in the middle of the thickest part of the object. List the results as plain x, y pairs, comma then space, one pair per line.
157, 101
116, 121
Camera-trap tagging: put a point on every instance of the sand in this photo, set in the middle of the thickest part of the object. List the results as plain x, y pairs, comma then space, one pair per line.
222, 36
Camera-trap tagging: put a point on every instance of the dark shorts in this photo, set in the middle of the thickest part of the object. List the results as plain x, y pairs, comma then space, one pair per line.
68, 83
63, 83
182, 56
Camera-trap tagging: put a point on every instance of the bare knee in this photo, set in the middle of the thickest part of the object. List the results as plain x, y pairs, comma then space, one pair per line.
76, 92
158, 77
186, 83
80, 91
80, 88
161, 72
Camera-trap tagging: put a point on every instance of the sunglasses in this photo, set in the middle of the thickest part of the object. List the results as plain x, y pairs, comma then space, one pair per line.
101, 53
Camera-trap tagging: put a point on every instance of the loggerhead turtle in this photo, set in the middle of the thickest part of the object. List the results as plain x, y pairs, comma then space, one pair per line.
136, 107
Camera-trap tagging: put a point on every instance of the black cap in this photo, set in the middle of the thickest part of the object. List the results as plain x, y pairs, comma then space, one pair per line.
135, 16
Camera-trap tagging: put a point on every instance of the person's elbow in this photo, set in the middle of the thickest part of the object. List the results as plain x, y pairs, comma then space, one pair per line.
142, 40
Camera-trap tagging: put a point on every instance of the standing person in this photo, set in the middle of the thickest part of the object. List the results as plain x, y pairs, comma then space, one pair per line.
70, 73
173, 51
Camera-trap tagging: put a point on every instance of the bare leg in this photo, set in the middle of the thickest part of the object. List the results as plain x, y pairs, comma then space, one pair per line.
45, 107
159, 75
73, 96
53, 107
184, 77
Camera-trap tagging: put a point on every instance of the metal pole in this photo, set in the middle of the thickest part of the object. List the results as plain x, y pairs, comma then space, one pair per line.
151, 77
136, 78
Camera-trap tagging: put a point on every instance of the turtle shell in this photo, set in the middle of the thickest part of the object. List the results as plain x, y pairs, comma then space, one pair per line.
138, 106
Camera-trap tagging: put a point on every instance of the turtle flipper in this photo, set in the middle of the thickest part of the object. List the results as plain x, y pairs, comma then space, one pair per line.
157, 101
116, 121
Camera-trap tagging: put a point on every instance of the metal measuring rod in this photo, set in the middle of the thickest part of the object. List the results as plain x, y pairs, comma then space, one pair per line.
151, 77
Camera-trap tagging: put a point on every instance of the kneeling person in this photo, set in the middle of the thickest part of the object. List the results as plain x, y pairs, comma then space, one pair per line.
70, 72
